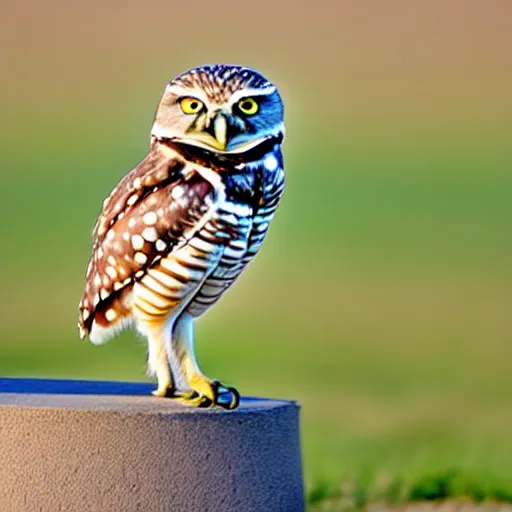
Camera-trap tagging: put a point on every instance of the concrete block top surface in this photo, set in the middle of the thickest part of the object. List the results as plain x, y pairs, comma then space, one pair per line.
106, 395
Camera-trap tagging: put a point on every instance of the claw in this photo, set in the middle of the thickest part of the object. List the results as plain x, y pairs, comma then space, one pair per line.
227, 398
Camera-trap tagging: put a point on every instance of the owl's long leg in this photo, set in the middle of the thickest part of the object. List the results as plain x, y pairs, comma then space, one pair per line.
205, 392
158, 363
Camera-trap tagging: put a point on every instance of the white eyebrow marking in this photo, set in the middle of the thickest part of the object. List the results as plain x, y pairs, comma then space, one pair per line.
187, 91
267, 91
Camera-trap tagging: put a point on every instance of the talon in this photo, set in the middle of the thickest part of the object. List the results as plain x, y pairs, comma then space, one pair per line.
215, 385
227, 398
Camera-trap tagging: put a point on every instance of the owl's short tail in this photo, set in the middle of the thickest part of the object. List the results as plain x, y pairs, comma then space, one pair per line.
110, 318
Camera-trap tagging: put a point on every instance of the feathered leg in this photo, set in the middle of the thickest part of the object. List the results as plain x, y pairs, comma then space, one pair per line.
205, 392
158, 361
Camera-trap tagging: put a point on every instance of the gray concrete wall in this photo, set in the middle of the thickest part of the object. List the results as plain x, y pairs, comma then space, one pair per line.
111, 447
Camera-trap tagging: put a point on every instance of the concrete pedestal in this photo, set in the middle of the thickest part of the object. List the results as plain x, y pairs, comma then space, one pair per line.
108, 447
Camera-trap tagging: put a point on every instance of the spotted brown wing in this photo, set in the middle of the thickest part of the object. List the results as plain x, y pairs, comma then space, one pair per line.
157, 168
147, 229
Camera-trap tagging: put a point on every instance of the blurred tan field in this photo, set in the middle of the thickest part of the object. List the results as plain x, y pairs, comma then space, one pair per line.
381, 300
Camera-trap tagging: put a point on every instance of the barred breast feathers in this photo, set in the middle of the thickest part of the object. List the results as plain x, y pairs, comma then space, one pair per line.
253, 195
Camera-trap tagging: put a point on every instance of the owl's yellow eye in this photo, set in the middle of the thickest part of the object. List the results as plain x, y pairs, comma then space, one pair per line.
191, 105
248, 106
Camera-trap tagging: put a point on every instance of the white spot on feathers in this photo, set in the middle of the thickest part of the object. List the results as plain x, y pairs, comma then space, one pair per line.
150, 218
150, 234
140, 258
132, 199
137, 242
112, 272
177, 192
270, 163
160, 245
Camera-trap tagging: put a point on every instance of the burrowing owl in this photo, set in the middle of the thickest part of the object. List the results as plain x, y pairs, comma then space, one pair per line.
178, 229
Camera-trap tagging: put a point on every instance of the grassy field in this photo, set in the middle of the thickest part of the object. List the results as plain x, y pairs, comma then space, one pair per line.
381, 300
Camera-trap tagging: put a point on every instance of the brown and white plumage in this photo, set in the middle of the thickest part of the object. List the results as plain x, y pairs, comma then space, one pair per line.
178, 229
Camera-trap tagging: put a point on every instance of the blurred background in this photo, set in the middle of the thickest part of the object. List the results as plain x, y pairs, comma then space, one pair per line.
381, 300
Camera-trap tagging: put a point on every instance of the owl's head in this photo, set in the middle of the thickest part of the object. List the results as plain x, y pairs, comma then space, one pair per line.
220, 108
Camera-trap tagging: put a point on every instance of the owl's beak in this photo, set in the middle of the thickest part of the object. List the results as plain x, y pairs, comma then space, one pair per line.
220, 128
219, 134
215, 134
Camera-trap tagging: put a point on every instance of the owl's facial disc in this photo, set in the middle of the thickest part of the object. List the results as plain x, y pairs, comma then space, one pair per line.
229, 123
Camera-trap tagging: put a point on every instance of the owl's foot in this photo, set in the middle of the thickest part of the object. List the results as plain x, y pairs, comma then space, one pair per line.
213, 393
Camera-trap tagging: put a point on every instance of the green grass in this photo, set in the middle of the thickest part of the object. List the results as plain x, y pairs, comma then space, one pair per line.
380, 302
451, 484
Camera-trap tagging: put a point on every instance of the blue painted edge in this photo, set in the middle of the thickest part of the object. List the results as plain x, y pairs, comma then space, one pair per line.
73, 387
